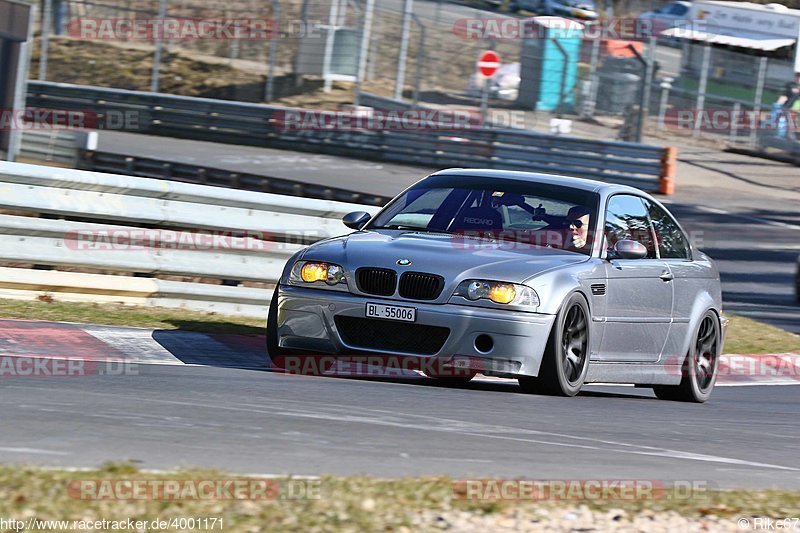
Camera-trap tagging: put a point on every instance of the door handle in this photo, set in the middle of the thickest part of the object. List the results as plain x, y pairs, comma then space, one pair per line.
666, 276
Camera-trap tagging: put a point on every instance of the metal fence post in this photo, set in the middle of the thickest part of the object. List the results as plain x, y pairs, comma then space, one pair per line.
591, 103
47, 23
363, 52
233, 52
273, 50
154, 77
648, 84
666, 85
701, 91
563, 82
737, 109
21, 88
298, 79
418, 75
762, 78
401, 58
329, 43
373, 49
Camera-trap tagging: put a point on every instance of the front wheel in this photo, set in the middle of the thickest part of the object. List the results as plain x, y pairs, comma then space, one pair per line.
699, 369
566, 358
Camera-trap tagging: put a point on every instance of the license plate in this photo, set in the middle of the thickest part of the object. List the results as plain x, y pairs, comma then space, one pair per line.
391, 312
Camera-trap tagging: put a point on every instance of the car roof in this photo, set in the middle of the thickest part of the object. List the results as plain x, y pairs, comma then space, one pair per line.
583, 184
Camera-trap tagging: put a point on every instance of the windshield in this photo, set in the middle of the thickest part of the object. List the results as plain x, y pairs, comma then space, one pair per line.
534, 213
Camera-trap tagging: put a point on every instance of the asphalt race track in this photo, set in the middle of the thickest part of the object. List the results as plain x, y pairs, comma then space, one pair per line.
250, 421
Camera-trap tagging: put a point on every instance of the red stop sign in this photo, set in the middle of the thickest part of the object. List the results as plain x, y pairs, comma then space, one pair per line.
488, 63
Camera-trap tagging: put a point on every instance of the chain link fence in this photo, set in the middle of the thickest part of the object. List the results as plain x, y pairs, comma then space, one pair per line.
422, 54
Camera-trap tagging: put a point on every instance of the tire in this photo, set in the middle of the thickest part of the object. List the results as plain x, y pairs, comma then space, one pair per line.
310, 364
273, 351
797, 285
699, 369
566, 357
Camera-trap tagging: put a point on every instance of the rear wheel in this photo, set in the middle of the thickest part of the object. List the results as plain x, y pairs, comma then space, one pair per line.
699, 369
566, 358
797, 284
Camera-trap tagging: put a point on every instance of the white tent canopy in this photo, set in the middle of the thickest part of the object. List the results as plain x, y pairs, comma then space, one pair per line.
754, 41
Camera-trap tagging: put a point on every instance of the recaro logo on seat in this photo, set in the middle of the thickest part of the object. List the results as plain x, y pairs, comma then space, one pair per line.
482, 221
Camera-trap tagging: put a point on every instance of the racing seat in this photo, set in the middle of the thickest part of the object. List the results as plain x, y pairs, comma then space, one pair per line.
483, 218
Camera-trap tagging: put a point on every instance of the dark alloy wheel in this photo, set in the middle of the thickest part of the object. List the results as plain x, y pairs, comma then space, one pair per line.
566, 358
699, 369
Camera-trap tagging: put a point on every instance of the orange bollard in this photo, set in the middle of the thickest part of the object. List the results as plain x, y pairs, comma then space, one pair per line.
669, 166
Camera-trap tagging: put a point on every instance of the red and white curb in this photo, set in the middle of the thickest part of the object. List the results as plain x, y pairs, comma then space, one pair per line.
56, 340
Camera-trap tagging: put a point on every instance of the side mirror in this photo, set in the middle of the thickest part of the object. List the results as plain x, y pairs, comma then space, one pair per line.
356, 220
630, 250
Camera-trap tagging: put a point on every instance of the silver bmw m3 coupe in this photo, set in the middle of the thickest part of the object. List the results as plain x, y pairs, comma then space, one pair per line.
552, 280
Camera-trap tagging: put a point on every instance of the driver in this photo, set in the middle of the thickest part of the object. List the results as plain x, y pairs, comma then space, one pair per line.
578, 219
570, 232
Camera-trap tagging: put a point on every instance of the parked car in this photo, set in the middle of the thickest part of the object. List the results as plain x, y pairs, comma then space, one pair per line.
668, 16
576, 9
555, 281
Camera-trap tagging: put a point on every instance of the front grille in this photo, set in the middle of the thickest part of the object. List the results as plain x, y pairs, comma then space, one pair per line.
380, 281
419, 286
374, 334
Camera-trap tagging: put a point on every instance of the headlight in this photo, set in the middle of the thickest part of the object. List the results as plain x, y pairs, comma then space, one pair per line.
314, 271
498, 292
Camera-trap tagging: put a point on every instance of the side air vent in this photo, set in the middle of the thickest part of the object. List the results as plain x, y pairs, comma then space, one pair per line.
599, 289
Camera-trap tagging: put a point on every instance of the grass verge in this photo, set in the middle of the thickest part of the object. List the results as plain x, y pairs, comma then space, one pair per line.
354, 503
745, 336
131, 316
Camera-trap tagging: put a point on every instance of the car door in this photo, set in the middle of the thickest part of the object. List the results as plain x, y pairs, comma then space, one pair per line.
639, 292
690, 278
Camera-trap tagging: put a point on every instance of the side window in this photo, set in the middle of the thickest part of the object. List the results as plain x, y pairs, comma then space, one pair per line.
672, 243
627, 219
679, 10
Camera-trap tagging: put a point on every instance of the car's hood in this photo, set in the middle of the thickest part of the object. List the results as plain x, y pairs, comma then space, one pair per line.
455, 257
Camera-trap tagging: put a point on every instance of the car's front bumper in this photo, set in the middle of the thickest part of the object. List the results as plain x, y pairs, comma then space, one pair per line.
306, 322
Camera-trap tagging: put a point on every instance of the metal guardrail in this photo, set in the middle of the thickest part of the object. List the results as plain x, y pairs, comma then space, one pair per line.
130, 165
262, 125
54, 145
148, 227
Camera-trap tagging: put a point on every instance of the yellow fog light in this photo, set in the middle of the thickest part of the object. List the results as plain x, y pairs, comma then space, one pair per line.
502, 293
312, 272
